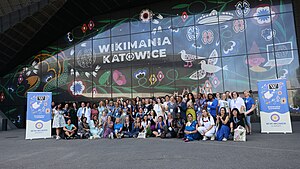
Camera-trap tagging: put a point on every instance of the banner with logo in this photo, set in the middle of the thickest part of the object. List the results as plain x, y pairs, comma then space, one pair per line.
38, 116
274, 107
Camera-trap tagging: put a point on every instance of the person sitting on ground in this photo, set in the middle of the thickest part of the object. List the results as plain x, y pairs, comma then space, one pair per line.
69, 129
207, 125
83, 129
236, 119
223, 125
137, 127
118, 126
169, 131
190, 132
179, 125
94, 128
108, 128
127, 127
159, 126
146, 125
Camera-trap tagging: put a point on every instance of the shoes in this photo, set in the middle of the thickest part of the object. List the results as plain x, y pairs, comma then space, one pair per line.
212, 138
186, 140
111, 135
224, 139
57, 137
204, 138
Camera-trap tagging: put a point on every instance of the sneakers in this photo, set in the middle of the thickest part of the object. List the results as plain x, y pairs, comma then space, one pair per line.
57, 137
224, 139
212, 138
111, 135
204, 138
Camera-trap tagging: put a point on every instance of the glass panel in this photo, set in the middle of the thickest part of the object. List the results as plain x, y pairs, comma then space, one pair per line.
260, 68
232, 37
288, 67
236, 73
284, 32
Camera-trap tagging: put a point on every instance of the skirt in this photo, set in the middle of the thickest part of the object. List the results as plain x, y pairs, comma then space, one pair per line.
58, 121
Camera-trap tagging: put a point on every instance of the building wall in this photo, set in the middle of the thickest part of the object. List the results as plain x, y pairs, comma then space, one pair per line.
190, 46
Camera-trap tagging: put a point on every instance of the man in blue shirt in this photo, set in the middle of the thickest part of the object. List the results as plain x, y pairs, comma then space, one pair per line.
250, 107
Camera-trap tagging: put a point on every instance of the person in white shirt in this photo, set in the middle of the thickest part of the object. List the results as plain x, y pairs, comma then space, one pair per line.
237, 102
84, 111
207, 126
157, 107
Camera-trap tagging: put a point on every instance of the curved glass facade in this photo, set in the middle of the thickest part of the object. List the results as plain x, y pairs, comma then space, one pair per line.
171, 47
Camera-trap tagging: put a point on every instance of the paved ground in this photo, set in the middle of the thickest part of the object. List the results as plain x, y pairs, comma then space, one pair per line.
259, 152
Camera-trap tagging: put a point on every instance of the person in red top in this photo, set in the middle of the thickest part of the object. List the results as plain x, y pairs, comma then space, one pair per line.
94, 111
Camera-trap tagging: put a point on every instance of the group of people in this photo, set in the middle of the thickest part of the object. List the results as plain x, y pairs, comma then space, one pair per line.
211, 116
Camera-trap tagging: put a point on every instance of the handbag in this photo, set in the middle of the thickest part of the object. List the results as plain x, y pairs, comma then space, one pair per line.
239, 134
142, 135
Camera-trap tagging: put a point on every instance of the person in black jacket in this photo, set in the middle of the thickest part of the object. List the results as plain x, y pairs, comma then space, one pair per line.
127, 127
236, 119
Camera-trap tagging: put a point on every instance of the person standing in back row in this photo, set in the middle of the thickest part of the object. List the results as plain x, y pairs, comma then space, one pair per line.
250, 107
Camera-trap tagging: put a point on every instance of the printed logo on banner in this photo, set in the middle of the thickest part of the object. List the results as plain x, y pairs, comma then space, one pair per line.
39, 125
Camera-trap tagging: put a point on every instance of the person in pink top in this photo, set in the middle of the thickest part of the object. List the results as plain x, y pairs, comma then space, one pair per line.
94, 111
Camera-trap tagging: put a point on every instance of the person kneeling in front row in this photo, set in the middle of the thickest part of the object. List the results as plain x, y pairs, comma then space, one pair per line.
207, 126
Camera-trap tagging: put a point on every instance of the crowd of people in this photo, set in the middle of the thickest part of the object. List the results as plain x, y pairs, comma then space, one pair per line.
188, 117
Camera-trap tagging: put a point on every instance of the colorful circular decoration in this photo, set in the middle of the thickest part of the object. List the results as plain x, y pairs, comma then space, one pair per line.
39, 125
85, 58
283, 100
275, 117
193, 33
146, 15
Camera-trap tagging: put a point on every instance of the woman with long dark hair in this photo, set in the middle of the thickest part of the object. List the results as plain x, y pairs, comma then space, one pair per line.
223, 125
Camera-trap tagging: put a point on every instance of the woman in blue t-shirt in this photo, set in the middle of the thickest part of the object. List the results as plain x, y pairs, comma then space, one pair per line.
190, 132
250, 107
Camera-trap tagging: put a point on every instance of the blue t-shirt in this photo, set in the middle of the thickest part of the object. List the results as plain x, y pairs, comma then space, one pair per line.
249, 102
69, 127
118, 126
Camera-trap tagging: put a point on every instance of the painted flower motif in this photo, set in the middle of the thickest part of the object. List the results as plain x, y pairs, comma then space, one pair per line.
33, 69
146, 15
152, 79
140, 73
119, 78
255, 60
239, 25
262, 15
77, 88
160, 76
242, 8
268, 34
207, 37
94, 91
